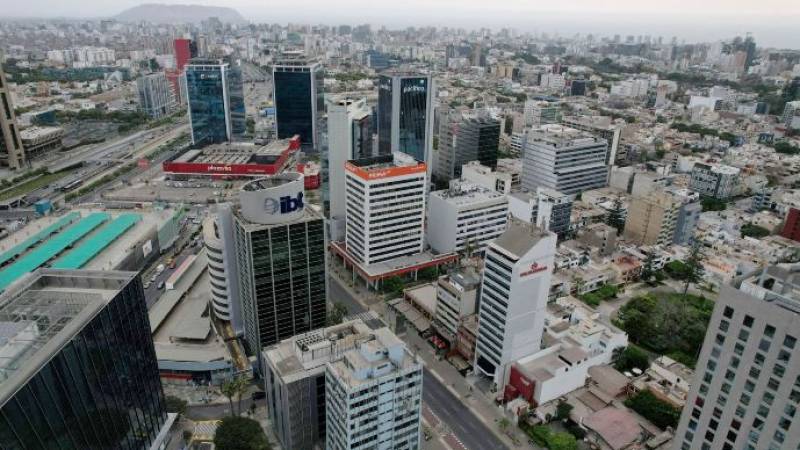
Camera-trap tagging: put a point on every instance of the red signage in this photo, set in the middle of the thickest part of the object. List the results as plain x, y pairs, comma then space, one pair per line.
535, 268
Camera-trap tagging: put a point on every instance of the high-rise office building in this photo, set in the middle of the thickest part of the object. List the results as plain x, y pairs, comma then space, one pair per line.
385, 207
564, 159
514, 294
545, 208
12, 153
746, 390
714, 180
470, 136
295, 381
184, 50
791, 225
78, 367
216, 101
465, 217
280, 251
156, 97
299, 100
349, 137
405, 115
374, 396
540, 112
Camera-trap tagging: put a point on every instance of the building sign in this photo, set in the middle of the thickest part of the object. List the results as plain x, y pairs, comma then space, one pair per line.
535, 268
284, 205
378, 174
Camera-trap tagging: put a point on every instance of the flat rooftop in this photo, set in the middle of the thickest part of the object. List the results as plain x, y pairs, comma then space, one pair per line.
237, 153
43, 312
396, 159
368, 361
520, 237
464, 194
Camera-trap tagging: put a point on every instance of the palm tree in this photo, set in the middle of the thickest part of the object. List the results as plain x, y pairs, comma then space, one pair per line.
234, 387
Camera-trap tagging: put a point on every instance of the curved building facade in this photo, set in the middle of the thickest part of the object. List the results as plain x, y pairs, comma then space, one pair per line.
218, 276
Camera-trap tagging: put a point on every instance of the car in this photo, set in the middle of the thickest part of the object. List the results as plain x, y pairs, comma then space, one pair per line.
160, 285
258, 395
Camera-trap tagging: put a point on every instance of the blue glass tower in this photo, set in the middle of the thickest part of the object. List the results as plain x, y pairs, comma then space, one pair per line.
405, 115
216, 101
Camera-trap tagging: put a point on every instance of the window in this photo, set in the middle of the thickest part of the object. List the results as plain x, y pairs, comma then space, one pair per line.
744, 399
768, 398
728, 312
726, 388
715, 352
749, 386
769, 331
759, 359
743, 335
748, 321
783, 356
773, 384
724, 325
734, 362
763, 345
738, 349
720, 339
789, 341
713, 424
740, 412
754, 373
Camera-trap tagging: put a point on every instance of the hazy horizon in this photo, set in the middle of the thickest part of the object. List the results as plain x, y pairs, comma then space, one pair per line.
773, 23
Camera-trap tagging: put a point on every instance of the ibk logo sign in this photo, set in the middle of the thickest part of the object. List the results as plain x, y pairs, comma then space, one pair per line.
535, 268
285, 205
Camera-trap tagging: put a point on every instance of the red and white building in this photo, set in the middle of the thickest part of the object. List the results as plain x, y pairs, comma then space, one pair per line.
236, 159
385, 207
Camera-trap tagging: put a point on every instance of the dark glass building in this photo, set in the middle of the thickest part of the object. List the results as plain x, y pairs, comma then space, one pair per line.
299, 99
405, 115
471, 136
79, 369
216, 101
280, 252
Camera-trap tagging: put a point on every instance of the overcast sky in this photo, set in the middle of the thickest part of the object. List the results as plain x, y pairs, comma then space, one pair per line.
772, 22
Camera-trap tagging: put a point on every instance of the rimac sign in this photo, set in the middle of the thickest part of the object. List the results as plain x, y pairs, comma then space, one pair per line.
283, 205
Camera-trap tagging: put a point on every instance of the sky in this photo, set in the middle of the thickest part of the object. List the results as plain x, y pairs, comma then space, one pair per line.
772, 22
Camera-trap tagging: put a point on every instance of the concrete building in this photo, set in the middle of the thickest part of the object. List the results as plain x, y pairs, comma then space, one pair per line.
600, 126
714, 180
218, 268
601, 237
385, 207
12, 153
467, 136
564, 159
456, 296
39, 141
688, 215
374, 396
295, 381
280, 250
790, 111
651, 219
745, 393
349, 137
79, 369
156, 95
474, 172
539, 112
544, 208
465, 217
405, 115
791, 226
514, 294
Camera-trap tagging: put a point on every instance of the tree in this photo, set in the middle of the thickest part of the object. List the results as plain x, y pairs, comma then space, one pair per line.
562, 410
694, 264
240, 433
393, 285
753, 230
175, 405
713, 204
648, 271
503, 424
336, 313
234, 388
632, 357
616, 217
661, 413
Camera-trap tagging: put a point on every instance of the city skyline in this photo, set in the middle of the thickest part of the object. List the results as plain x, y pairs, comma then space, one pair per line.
773, 22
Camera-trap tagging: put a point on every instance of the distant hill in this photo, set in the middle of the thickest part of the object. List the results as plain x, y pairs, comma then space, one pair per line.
160, 13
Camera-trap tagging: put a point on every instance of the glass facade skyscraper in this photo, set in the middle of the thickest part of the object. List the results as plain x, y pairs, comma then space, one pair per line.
79, 369
405, 115
216, 101
299, 100
280, 259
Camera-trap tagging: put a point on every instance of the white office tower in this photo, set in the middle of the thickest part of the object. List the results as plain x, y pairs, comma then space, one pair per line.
465, 217
385, 207
564, 159
373, 396
217, 273
349, 137
514, 292
746, 390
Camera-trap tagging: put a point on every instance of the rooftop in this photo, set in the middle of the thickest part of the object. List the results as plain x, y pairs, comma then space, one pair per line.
237, 153
43, 312
462, 194
373, 359
779, 284
520, 237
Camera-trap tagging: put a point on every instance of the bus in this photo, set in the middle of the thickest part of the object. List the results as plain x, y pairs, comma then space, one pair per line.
72, 185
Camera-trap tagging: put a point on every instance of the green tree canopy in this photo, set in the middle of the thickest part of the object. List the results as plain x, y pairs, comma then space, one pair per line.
240, 433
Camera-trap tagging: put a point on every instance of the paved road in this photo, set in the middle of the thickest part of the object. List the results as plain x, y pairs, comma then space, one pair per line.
339, 294
472, 432
218, 411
